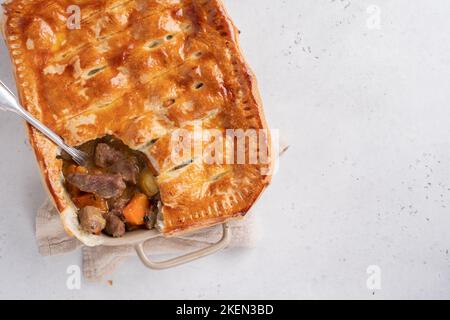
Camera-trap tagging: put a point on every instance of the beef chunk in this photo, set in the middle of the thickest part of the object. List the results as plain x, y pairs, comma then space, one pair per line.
116, 161
128, 168
104, 185
120, 202
115, 227
118, 213
91, 220
106, 156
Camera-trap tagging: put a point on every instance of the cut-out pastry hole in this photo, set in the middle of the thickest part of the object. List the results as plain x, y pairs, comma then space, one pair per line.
154, 43
181, 166
220, 176
148, 144
169, 102
95, 71
199, 85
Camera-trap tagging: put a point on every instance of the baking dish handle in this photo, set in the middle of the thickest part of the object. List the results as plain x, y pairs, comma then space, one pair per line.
221, 244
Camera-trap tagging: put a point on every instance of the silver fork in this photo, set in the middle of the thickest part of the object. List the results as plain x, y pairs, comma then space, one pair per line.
8, 102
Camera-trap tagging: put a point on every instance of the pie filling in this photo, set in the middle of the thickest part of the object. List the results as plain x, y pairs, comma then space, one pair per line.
115, 191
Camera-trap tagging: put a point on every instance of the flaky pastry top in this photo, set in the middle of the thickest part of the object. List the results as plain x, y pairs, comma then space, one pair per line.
139, 70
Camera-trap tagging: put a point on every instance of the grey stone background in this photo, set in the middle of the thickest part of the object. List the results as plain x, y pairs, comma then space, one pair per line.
365, 108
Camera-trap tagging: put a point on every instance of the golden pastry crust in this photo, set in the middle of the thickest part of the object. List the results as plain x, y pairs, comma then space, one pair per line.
140, 69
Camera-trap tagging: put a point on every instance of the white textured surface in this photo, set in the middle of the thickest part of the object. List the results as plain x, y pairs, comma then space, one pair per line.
365, 182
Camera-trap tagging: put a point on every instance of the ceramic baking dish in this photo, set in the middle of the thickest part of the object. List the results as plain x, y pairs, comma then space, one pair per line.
216, 54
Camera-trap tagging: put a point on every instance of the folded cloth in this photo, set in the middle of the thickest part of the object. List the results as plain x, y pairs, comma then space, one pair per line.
101, 261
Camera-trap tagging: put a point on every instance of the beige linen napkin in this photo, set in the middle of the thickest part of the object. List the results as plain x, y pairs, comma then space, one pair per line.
101, 261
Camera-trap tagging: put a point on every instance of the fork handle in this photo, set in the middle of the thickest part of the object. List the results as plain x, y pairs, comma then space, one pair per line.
8, 102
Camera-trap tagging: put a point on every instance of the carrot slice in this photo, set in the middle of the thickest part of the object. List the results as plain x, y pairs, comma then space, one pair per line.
135, 211
91, 200
76, 169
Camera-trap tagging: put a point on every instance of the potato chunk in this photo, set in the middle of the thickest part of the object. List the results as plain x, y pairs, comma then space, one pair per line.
147, 182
